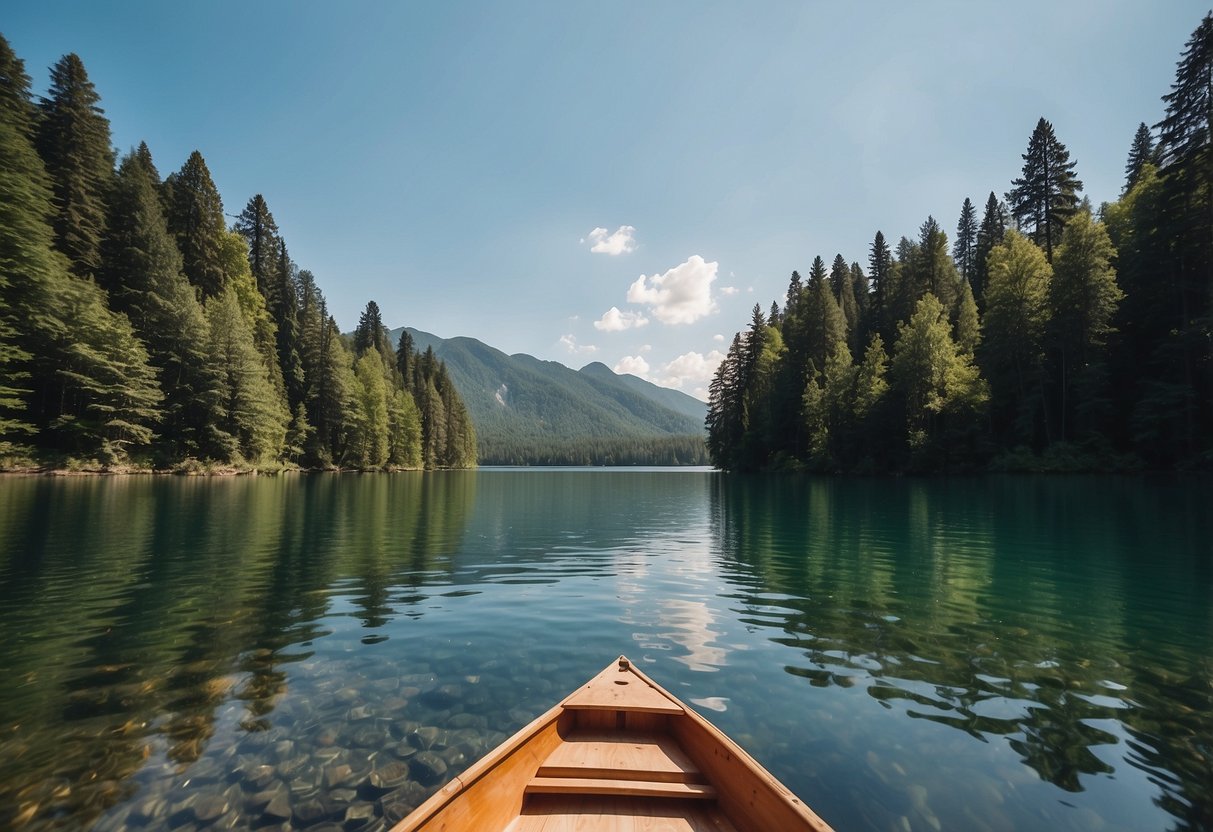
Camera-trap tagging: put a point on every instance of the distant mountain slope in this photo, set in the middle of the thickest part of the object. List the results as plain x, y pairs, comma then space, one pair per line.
520, 398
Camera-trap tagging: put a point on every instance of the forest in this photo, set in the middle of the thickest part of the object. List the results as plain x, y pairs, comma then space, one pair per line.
1050, 335
139, 331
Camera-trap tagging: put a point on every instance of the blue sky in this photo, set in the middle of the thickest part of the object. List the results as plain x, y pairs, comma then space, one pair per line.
516, 171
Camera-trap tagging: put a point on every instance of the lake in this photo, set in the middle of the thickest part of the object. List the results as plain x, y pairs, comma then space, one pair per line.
991, 653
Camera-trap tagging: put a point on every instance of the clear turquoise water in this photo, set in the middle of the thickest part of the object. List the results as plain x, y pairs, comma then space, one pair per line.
994, 653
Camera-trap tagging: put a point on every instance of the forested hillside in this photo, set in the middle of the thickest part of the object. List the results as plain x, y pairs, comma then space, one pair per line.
532, 412
1048, 335
137, 329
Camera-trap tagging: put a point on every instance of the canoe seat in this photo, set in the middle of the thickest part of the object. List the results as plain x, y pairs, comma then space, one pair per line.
621, 764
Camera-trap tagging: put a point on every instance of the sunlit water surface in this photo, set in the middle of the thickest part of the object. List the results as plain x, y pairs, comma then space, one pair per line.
324, 651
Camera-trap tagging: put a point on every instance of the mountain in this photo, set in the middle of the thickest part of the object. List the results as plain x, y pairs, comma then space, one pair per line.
521, 400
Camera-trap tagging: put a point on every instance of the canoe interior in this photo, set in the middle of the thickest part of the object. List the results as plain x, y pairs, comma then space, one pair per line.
619, 753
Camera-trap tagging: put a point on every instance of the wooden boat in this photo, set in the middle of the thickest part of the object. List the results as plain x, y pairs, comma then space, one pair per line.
619, 753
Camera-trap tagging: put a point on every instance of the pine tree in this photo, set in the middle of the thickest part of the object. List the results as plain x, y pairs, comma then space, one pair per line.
724, 416
405, 359
844, 293
1185, 149
964, 251
370, 335
1141, 153
284, 308
252, 421
141, 271
825, 323
967, 328
1045, 196
990, 234
371, 449
27, 263
1015, 320
863, 300
74, 140
1083, 297
195, 218
880, 265
256, 224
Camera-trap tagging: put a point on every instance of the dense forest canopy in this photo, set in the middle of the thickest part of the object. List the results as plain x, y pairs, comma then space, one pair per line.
136, 328
1050, 335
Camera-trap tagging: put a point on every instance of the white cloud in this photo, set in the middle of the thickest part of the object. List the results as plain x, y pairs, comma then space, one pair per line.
682, 295
691, 368
621, 241
719, 339
569, 342
729, 290
615, 321
634, 365
646, 347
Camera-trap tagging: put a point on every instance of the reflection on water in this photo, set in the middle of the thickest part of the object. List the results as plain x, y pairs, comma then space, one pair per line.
1068, 618
1000, 653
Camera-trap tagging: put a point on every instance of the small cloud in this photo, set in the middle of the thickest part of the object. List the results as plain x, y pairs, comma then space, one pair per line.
719, 339
615, 321
749, 290
682, 295
729, 290
621, 241
646, 347
633, 365
569, 342
691, 368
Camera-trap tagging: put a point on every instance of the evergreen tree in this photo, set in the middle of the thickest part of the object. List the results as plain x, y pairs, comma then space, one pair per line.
1045, 196
964, 251
404, 430
844, 293
1015, 320
863, 301
252, 422
74, 140
1083, 297
989, 234
370, 448
967, 329
141, 271
724, 416
825, 323
880, 265
256, 224
1141, 153
284, 310
405, 359
27, 264
1185, 148
370, 335
195, 218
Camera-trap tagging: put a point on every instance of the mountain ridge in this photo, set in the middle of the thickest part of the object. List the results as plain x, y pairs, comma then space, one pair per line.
522, 399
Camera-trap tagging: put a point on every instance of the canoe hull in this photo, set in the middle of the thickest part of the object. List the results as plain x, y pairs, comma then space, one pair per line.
618, 753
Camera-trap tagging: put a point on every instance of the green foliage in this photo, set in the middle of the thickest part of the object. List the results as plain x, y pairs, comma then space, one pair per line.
251, 421
1083, 298
1141, 153
1045, 196
195, 218
74, 141
964, 251
1016, 316
989, 234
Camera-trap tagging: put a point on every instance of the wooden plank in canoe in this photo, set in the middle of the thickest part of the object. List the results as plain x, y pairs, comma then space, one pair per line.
619, 688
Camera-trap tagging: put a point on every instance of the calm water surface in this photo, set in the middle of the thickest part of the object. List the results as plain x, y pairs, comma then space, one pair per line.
324, 651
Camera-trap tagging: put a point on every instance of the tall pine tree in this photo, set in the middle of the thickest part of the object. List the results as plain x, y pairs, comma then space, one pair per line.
1045, 196
74, 140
